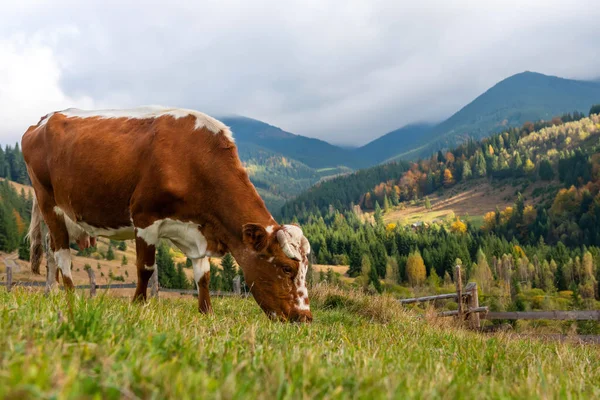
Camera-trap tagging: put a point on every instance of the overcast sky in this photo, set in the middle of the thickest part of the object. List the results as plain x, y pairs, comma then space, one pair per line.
343, 71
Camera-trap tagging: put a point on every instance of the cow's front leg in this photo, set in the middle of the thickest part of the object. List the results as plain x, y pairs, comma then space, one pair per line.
146, 266
202, 279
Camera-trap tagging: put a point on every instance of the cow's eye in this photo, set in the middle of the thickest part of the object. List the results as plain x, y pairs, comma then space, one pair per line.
287, 269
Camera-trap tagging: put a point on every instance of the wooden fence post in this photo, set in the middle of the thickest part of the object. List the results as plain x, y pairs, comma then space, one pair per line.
8, 277
237, 286
154, 283
474, 304
92, 277
458, 282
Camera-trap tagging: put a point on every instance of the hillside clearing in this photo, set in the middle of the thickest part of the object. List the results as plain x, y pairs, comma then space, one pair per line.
473, 199
356, 348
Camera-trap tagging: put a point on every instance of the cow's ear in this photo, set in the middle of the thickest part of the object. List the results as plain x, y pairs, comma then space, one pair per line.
256, 236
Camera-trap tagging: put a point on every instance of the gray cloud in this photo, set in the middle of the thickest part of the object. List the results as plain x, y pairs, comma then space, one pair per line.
345, 72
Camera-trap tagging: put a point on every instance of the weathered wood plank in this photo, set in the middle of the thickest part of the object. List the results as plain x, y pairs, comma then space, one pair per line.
454, 313
459, 292
92, 277
429, 298
8, 277
473, 299
552, 315
154, 283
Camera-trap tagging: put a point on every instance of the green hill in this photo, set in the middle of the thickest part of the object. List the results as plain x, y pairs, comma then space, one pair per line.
387, 146
314, 153
523, 97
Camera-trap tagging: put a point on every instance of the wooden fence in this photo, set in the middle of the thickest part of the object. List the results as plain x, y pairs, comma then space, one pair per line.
468, 307
467, 299
154, 286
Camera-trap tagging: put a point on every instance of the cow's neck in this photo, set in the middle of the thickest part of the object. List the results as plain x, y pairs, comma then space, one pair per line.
235, 212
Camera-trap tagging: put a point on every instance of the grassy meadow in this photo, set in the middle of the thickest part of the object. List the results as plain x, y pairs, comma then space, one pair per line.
71, 347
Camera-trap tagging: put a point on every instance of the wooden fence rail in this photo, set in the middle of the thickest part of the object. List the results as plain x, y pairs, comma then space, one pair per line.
154, 287
474, 313
579, 315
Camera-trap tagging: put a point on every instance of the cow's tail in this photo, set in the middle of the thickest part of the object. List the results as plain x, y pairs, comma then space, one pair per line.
34, 235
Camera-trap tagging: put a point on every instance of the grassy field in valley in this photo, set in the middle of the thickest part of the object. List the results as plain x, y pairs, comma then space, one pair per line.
357, 347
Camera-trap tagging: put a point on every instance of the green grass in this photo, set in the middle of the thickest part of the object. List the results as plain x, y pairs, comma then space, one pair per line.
357, 347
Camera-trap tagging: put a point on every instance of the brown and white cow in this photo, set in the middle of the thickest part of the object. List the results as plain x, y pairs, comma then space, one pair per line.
153, 172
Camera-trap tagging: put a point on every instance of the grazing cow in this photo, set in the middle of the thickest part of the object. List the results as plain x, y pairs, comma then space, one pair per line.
150, 173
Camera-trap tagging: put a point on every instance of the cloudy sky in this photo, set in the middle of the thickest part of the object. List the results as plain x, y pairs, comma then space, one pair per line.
343, 71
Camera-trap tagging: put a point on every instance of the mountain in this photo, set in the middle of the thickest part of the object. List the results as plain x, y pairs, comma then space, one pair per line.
314, 153
523, 97
387, 145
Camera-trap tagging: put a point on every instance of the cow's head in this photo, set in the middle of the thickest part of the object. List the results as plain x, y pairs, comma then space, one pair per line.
275, 270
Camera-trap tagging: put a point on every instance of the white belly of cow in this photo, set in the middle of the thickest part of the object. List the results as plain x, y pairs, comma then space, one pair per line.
185, 235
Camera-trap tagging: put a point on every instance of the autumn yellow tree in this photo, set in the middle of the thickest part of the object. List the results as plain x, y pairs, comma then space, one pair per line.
528, 166
415, 269
448, 178
458, 226
489, 221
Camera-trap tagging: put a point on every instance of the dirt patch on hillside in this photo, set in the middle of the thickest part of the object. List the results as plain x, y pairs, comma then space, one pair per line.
474, 199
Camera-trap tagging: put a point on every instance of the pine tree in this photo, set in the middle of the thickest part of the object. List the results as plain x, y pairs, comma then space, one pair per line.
215, 277
24, 249
365, 270
122, 246
356, 256
110, 254
374, 279
466, 171
546, 171
427, 203
166, 267
229, 272
433, 280
481, 167
124, 260
378, 214
386, 203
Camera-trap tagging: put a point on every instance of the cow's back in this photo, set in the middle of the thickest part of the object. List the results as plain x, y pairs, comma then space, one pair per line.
94, 166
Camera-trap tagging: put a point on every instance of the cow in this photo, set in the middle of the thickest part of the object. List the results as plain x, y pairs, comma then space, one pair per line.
152, 173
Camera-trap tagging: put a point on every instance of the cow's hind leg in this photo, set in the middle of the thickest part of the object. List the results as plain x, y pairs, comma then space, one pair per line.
202, 279
146, 265
51, 270
59, 239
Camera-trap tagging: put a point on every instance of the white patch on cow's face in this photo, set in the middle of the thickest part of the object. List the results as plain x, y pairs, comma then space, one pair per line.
295, 246
185, 235
149, 112
201, 266
301, 290
63, 259
270, 229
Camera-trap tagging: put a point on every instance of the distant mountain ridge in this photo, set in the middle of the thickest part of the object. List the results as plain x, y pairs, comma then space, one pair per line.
314, 153
527, 96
